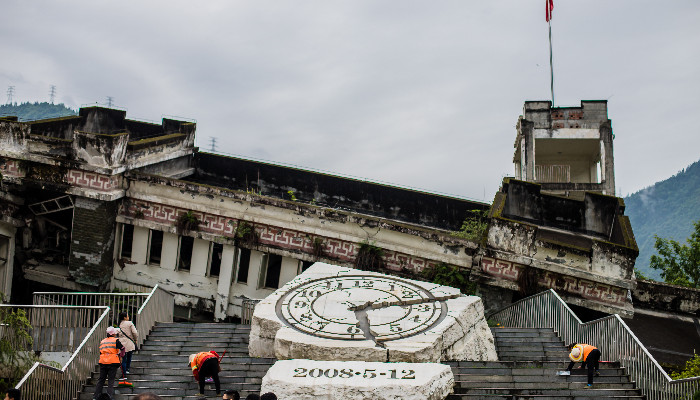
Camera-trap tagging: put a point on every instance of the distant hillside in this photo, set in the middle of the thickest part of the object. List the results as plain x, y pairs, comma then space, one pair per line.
35, 111
667, 209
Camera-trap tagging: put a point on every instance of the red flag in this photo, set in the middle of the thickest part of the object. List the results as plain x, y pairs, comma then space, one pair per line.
549, 6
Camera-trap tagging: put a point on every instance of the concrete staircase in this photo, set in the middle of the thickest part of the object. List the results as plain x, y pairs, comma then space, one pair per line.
530, 359
160, 366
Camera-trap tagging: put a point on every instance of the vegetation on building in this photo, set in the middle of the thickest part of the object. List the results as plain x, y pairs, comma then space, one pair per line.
369, 257
187, 222
474, 225
246, 235
450, 275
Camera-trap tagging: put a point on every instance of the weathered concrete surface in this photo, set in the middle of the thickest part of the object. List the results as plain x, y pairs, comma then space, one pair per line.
663, 297
350, 321
335, 380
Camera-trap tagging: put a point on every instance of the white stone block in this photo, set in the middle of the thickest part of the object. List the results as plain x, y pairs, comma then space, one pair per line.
355, 380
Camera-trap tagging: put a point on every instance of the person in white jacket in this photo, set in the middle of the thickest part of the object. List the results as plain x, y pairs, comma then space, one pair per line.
128, 336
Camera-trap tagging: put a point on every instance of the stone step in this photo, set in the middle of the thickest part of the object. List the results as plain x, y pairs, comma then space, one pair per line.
548, 379
531, 346
579, 389
184, 370
186, 351
511, 329
237, 357
209, 394
250, 363
128, 394
532, 371
562, 364
520, 339
194, 348
539, 397
523, 332
180, 374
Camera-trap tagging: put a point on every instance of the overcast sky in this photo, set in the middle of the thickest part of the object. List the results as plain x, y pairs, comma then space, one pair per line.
423, 94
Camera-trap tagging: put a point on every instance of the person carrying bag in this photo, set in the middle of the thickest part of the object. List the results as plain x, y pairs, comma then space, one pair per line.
128, 336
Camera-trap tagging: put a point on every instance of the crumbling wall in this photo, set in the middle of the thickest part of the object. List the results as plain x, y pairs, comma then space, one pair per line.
92, 246
339, 193
663, 297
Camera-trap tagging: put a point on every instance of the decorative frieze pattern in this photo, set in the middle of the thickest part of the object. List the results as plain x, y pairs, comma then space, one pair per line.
9, 167
274, 236
91, 180
584, 288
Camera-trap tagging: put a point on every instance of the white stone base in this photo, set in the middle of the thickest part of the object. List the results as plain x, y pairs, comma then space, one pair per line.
357, 380
460, 333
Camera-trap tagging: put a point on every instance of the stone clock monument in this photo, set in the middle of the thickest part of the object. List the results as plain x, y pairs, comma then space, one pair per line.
331, 313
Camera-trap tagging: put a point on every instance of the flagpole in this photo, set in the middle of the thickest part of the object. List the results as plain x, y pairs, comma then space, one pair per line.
551, 67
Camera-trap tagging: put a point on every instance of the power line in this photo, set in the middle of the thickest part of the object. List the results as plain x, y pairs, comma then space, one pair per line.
10, 93
212, 144
110, 100
52, 93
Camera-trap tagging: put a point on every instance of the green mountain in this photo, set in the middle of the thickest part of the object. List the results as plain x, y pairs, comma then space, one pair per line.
667, 209
35, 111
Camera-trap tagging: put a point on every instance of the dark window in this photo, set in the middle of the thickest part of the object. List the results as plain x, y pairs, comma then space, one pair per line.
156, 247
215, 266
243, 264
127, 240
185, 260
305, 265
274, 267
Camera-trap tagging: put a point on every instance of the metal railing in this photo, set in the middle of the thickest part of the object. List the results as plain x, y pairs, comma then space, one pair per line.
55, 328
117, 302
247, 309
45, 382
552, 173
610, 334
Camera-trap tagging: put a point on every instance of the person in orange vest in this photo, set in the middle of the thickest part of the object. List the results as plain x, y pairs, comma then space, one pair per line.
588, 356
206, 364
109, 362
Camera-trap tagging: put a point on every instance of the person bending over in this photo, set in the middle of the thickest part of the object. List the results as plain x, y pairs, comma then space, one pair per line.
206, 364
588, 356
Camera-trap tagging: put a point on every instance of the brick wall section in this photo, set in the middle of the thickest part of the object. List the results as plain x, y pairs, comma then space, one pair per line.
92, 244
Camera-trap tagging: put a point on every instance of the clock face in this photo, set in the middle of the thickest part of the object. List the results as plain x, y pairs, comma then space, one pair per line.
356, 307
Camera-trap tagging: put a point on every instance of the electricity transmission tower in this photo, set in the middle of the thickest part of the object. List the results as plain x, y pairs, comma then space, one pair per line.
52, 93
10, 93
212, 144
110, 99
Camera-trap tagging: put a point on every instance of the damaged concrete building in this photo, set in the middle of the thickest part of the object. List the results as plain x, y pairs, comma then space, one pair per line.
98, 201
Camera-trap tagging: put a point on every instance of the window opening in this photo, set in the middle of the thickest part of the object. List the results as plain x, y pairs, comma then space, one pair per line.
127, 240
243, 265
184, 262
215, 252
156, 247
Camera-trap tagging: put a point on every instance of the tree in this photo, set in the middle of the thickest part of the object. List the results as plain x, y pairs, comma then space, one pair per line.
679, 264
16, 356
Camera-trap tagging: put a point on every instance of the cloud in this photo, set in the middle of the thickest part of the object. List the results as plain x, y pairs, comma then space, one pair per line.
422, 94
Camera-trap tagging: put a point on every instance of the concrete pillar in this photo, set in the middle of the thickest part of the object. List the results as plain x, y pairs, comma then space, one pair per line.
200, 257
139, 250
225, 280
169, 254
